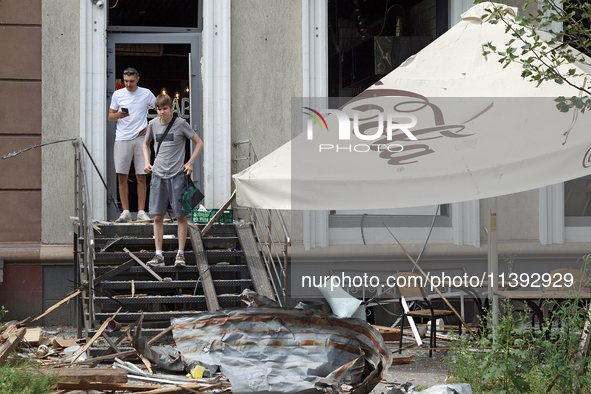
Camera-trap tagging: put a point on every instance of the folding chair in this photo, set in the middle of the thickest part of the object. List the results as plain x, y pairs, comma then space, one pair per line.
410, 285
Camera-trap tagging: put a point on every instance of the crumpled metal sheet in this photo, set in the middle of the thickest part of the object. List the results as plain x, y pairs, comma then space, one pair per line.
273, 350
165, 356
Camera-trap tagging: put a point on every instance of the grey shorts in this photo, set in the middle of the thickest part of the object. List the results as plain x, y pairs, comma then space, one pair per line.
163, 191
125, 152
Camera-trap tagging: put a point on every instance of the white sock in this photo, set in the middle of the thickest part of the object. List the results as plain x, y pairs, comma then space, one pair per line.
159, 253
181, 252
126, 211
142, 211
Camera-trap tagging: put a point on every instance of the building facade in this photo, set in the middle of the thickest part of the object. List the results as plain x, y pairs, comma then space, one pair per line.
233, 68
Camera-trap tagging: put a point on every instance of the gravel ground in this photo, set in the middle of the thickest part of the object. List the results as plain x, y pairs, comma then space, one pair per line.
424, 372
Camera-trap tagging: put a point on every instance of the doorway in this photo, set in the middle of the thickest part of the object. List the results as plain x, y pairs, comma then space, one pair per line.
167, 63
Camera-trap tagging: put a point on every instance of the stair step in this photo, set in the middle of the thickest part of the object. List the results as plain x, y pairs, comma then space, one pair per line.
160, 299
148, 255
146, 332
147, 229
99, 350
150, 241
172, 269
132, 317
150, 284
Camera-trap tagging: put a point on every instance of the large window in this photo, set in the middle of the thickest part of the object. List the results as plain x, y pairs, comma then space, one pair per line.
577, 202
155, 15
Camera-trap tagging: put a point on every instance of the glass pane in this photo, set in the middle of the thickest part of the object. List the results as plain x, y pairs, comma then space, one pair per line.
577, 197
154, 13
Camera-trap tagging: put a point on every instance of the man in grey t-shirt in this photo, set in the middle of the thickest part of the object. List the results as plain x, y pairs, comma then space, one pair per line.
168, 173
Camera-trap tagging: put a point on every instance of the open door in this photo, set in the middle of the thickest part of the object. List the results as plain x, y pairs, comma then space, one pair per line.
167, 63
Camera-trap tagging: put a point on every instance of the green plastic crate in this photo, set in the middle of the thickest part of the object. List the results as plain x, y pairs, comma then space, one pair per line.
205, 216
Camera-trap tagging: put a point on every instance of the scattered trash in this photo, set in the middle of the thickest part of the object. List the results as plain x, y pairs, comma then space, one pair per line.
113, 326
42, 350
167, 357
196, 372
462, 388
342, 303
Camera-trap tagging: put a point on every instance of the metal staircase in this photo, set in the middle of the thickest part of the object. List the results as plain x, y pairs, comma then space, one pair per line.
219, 266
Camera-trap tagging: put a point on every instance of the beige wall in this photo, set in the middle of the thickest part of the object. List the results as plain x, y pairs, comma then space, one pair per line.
266, 71
517, 217
60, 116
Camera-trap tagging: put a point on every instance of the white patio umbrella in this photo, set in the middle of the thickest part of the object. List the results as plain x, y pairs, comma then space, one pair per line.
482, 131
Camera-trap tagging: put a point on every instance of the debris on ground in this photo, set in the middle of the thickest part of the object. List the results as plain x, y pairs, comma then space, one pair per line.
262, 348
265, 349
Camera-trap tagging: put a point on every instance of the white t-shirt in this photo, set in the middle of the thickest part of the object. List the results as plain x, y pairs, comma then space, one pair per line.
137, 103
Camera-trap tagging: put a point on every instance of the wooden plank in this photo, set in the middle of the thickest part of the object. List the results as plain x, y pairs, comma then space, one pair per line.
182, 389
388, 333
102, 386
98, 334
258, 273
10, 344
218, 214
203, 267
99, 375
160, 335
124, 354
133, 256
55, 306
112, 344
115, 271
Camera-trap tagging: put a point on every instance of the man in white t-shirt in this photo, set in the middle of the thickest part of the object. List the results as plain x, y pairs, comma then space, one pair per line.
129, 108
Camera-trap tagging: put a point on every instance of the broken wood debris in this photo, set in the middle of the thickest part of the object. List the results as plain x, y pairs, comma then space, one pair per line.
133, 256
55, 306
11, 343
76, 375
102, 386
98, 334
179, 389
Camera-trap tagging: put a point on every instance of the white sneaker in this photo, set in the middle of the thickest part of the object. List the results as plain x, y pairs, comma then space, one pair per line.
157, 261
180, 260
142, 216
124, 218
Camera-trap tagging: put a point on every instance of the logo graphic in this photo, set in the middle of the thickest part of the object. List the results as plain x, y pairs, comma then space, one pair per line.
394, 121
315, 118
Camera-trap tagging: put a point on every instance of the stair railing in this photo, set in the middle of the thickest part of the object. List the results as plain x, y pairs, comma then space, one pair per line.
269, 228
85, 232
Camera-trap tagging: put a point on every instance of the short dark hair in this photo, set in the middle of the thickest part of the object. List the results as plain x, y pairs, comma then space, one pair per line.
163, 100
130, 71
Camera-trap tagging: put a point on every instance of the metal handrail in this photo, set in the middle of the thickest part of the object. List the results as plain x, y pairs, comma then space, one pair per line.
271, 232
83, 208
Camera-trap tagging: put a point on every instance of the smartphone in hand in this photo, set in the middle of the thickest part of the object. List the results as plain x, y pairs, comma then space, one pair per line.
125, 110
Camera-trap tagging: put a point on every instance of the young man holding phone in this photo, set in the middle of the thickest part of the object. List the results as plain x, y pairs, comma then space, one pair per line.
168, 172
129, 108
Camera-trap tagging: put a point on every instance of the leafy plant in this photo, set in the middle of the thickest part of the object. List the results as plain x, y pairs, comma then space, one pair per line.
515, 358
545, 54
23, 378
3, 313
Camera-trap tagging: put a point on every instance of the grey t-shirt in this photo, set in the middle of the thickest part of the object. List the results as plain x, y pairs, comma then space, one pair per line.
169, 161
